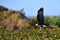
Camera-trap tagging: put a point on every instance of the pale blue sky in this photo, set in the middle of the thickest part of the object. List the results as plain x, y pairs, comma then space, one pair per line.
51, 7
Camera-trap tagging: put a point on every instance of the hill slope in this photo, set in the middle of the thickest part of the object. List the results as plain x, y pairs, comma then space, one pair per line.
12, 18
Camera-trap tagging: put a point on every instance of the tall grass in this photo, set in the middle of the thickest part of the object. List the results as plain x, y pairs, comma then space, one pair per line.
30, 34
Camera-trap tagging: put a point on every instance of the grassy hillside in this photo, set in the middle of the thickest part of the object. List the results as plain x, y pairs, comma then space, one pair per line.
14, 25
12, 18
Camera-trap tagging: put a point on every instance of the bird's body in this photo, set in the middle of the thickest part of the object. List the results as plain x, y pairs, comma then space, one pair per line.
40, 17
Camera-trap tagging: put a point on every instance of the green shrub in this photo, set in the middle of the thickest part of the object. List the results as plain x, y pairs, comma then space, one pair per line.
48, 20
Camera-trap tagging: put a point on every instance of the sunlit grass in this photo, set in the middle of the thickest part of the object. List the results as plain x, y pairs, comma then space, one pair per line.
30, 34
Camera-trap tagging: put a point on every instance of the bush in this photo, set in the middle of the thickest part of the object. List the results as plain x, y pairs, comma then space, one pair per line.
48, 20
34, 21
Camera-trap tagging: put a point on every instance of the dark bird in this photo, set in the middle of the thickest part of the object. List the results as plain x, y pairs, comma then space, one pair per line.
40, 17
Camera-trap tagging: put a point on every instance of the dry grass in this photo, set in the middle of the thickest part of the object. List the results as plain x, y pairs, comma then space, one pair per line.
25, 29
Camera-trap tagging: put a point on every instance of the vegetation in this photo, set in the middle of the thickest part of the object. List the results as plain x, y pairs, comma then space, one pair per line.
15, 26
48, 20
30, 34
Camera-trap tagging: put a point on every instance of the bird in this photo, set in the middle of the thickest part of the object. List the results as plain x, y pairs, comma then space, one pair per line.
40, 16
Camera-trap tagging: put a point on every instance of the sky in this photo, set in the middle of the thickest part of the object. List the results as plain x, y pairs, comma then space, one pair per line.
51, 7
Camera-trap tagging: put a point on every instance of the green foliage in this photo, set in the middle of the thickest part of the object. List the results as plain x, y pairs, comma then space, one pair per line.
34, 21
30, 34
46, 21
58, 22
16, 19
53, 20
